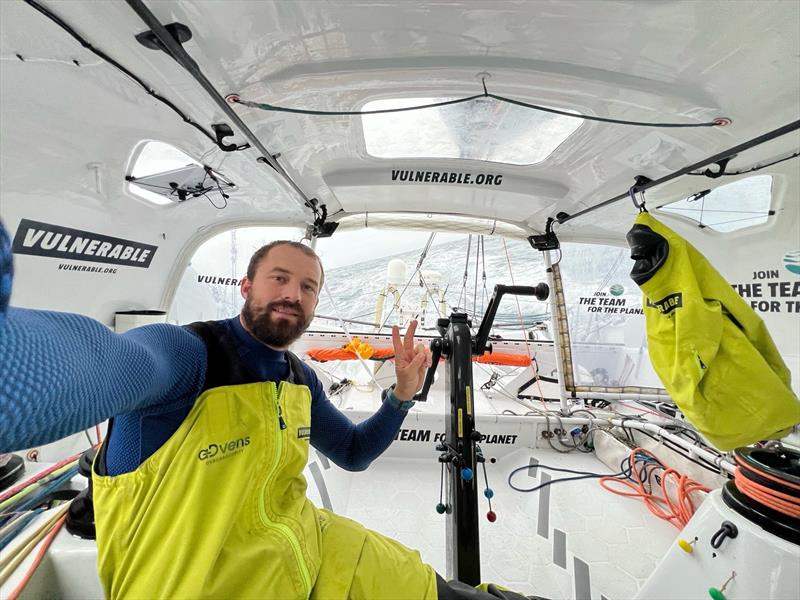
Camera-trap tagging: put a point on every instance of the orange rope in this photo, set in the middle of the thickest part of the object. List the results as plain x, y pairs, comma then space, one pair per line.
326, 354
39, 556
676, 510
503, 358
496, 358
787, 504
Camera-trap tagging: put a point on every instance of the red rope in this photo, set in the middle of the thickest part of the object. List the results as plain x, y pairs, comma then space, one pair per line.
39, 556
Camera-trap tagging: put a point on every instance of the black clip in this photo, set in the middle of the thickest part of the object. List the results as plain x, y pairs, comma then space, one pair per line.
722, 164
223, 130
698, 196
638, 204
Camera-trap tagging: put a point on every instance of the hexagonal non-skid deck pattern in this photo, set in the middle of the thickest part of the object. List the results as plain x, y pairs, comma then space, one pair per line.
577, 541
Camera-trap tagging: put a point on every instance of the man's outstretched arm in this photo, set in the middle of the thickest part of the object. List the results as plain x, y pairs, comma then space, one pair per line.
61, 373
353, 446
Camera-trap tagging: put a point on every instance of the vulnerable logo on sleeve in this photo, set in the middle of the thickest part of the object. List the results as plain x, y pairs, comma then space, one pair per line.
55, 241
304, 433
667, 304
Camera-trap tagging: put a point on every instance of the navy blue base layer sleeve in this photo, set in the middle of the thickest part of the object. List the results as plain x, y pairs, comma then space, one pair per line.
61, 373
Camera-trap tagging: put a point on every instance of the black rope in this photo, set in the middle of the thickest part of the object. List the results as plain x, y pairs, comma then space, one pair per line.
224, 199
351, 113
751, 169
83, 42
722, 156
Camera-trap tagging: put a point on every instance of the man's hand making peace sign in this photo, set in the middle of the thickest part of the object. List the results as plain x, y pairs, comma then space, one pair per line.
410, 363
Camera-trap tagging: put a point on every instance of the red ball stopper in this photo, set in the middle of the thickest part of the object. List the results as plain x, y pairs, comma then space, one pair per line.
491, 516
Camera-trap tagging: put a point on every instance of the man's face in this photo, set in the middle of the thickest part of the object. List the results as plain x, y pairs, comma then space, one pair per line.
280, 300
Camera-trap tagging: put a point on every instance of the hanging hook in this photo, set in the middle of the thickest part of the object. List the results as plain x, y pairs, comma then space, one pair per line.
483, 76
722, 165
640, 203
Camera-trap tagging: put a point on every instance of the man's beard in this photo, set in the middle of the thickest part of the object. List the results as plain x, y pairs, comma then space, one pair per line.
278, 333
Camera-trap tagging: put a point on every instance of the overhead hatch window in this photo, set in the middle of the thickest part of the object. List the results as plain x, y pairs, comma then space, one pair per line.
738, 205
483, 129
162, 174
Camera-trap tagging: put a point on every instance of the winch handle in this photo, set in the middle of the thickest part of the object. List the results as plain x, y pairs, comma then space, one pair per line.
540, 291
436, 354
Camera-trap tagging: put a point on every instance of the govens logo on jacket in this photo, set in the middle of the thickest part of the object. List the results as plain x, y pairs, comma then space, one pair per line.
215, 452
55, 241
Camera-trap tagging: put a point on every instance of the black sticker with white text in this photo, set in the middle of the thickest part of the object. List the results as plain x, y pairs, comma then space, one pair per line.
55, 241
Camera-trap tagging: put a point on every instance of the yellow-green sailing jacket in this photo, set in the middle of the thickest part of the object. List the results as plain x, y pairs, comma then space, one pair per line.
220, 510
709, 348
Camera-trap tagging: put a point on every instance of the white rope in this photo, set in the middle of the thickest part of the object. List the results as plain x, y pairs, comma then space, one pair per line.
343, 325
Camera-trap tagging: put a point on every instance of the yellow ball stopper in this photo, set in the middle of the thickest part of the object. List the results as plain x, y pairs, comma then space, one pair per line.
685, 546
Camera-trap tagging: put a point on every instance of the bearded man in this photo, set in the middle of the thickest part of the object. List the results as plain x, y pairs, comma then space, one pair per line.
198, 486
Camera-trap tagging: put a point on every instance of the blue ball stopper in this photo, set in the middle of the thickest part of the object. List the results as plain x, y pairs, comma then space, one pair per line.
488, 492
466, 474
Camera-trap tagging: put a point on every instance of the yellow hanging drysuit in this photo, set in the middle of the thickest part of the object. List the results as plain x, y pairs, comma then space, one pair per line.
220, 511
709, 348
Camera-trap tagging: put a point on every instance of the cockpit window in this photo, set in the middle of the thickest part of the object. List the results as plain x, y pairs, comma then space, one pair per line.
738, 205
483, 129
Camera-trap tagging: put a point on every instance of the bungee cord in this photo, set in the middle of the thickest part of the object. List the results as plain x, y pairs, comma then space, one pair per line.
236, 99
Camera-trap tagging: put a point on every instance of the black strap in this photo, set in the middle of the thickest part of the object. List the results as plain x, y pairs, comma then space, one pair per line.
224, 365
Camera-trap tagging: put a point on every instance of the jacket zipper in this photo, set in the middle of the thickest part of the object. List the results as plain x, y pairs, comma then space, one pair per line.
280, 527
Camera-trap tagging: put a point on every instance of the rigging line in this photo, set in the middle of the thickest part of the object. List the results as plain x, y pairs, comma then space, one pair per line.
485, 94
97, 52
178, 52
521, 321
611, 271
712, 225
751, 169
714, 123
678, 209
485, 291
475, 289
766, 137
351, 320
702, 208
466, 275
343, 325
423, 255
351, 113
434, 300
